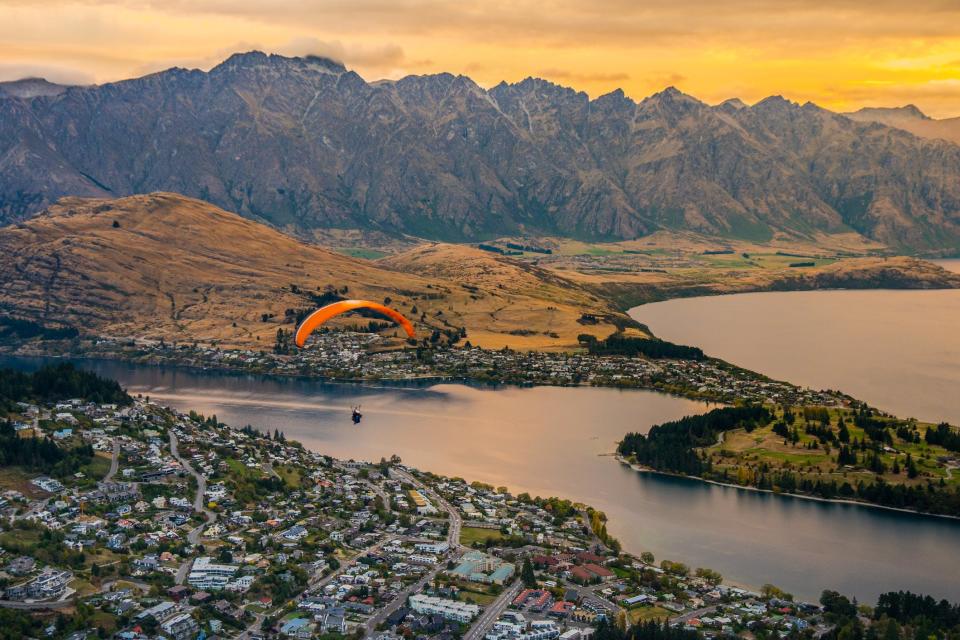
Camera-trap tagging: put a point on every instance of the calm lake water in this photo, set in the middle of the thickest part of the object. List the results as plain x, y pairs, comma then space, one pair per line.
898, 350
552, 441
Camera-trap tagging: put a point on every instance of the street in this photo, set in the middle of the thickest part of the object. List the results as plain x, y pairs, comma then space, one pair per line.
194, 536
482, 624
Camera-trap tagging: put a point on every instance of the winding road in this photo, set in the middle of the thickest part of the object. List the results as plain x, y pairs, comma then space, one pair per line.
194, 536
114, 462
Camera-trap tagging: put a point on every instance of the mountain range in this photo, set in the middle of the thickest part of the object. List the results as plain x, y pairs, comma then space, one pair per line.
304, 143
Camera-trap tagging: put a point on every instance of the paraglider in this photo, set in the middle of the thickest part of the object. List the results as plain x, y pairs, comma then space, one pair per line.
321, 315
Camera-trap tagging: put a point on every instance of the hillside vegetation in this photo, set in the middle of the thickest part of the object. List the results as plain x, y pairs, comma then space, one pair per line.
167, 267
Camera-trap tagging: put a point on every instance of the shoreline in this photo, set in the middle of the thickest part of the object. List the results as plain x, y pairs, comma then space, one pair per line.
398, 382
425, 381
857, 503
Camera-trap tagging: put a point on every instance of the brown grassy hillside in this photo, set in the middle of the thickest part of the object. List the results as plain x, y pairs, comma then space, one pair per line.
536, 307
166, 266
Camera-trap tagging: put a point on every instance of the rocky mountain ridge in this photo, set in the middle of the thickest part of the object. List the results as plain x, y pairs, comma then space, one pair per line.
304, 143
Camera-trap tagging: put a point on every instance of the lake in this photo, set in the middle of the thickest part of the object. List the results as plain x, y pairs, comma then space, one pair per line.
554, 441
897, 350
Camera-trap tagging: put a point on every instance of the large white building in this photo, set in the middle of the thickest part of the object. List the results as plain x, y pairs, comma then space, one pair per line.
449, 609
208, 575
434, 548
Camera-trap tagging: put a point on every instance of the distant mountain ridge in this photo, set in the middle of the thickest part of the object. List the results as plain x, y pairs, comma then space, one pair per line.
304, 143
910, 118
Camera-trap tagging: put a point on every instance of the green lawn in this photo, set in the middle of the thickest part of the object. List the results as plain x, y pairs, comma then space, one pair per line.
96, 470
242, 471
482, 599
290, 475
644, 613
469, 535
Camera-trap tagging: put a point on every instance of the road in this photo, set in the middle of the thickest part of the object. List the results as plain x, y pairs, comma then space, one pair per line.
687, 617
315, 585
38, 606
108, 585
597, 542
482, 624
194, 536
590, 593
456, 521
401, 599
114, 462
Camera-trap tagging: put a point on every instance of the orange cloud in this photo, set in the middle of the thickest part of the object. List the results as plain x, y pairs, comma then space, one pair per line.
841, 54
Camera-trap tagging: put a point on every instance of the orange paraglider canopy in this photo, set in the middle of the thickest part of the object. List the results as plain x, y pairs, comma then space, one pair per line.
321, 315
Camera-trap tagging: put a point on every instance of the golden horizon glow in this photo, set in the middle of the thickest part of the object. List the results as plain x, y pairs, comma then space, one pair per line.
840, 54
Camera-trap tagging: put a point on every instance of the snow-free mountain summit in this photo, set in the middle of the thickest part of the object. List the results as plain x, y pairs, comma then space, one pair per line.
304, 143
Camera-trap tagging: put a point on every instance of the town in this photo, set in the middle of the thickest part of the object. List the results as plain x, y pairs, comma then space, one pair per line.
160, 524
348, 355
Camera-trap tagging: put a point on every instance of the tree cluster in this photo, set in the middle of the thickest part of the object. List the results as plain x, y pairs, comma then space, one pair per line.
621, 345
672, 446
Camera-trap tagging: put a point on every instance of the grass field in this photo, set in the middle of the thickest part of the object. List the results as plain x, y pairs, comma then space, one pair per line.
762, 447
291, 476
361, 252
96, 470
482, 599
17, 479
241, 470
469, 535
25, 537
642, 614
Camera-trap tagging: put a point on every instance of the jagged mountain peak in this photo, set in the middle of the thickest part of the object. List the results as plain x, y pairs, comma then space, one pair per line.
908, 111
672, 94
259, 59
31, 88
775, 102
733, 103
303, 144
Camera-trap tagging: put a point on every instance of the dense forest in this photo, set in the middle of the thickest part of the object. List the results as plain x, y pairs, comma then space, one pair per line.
672, 446
40, 454
651, 630
621, 345
945, 436
898, 615
52, 383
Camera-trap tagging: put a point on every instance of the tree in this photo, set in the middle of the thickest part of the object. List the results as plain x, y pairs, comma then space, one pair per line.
711, 576
647, 557
526, 574
844, 433
892, 631
772, 591
837, 605
912, 471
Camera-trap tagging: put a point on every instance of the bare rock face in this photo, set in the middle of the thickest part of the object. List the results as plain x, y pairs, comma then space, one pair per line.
303, 143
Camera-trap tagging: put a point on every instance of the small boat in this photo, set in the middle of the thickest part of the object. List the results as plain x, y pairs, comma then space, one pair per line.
356, 416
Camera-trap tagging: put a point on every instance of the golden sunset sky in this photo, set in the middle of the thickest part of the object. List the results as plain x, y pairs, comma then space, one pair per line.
841, 54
